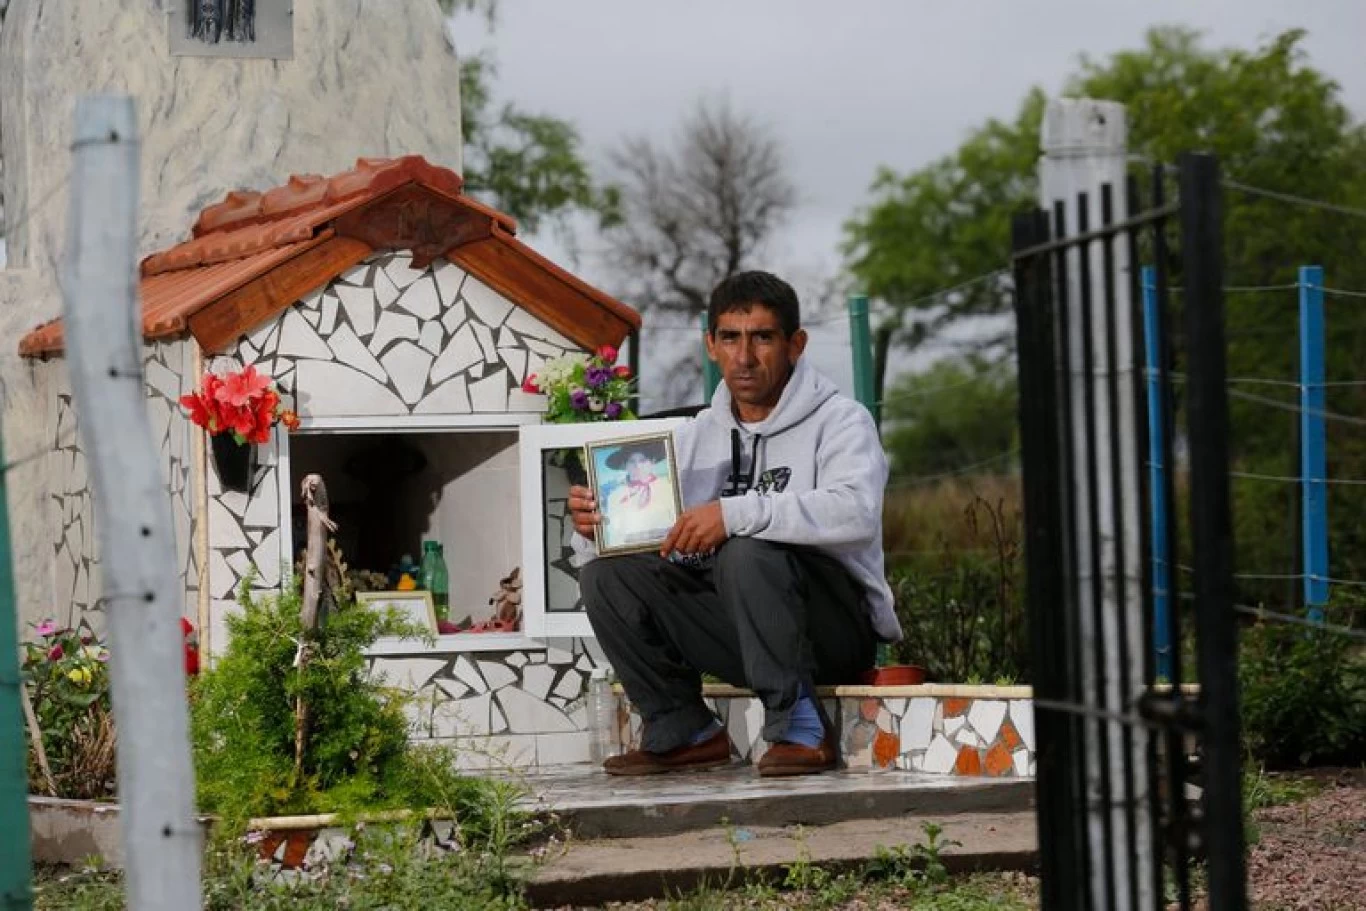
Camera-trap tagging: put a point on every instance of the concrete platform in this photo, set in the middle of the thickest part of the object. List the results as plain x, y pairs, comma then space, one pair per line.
595, 805
632, 869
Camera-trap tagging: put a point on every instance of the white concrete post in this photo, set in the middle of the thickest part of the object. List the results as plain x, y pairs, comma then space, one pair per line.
143, 592
1085, 147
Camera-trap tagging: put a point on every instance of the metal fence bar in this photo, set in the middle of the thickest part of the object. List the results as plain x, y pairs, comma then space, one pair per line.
1040, 438
1175, 833
1072, 689
1212, 530
1112, 318
1313, 442
1100, 746
1148, 490
1157, 467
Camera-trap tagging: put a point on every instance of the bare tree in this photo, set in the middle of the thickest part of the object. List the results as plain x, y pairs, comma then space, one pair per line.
691, 216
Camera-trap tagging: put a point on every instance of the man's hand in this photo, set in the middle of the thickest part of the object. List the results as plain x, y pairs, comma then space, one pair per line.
583, 510
700, 530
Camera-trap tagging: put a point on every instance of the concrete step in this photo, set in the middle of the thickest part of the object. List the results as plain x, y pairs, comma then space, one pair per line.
596, 871
595, 805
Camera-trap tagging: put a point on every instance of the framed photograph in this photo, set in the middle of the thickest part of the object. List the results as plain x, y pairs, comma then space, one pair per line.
415, 607
635, 481
552, 459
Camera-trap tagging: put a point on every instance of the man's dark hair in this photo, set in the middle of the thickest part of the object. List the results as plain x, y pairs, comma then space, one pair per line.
745, 289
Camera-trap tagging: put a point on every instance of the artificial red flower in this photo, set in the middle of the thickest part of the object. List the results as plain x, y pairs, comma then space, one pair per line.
55, 653
240, 388
608, 354
529, 384
621, 372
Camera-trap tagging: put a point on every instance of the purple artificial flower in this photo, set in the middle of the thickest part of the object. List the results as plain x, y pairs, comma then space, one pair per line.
597, 377
613, 410
579, 399
46, 628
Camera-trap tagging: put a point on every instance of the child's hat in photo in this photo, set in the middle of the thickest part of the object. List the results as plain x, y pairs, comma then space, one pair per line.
653, 450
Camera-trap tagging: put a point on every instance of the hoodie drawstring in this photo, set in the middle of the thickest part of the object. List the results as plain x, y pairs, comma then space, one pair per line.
741, 483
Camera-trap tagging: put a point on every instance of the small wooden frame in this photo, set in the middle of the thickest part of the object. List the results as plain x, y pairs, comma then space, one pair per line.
414, 606
635, 481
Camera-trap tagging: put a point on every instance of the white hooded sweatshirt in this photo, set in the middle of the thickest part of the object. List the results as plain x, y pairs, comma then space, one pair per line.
812, 473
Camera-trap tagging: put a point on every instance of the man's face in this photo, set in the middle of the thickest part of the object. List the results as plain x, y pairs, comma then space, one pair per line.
754, 354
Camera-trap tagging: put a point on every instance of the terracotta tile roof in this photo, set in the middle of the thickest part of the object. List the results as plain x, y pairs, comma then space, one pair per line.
400, 203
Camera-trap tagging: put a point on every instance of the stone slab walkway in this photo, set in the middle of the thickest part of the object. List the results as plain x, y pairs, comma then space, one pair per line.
596, 805
585, 873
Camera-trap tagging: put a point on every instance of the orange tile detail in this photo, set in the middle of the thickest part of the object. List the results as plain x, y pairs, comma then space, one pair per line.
969, 762
249, 234
1010, 738
955, 707
886, 747
998, 761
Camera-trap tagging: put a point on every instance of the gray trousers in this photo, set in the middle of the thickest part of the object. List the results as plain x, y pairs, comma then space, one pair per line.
765, 616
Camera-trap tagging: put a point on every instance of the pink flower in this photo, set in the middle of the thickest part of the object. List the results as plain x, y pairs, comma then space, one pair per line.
239, 389
621, 372
608, 354
46, 628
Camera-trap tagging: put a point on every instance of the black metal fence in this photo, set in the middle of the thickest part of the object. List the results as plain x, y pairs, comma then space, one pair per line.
1137, 778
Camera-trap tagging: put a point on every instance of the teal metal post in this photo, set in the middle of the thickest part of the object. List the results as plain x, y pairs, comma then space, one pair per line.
1313, 443
1161, 566
15, 894
861, 341
711, 374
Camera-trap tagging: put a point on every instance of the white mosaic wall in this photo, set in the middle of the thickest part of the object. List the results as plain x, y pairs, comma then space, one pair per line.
382, 340
501, 709
76, 569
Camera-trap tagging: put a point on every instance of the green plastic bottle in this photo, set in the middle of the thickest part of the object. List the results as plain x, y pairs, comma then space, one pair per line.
435, 578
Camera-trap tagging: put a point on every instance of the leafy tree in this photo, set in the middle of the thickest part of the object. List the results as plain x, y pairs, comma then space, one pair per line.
695, 214
529, 165
956, 413
1275, 122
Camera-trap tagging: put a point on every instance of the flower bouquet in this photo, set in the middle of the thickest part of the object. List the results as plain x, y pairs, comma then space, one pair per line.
66, 674
581, 388
238, 409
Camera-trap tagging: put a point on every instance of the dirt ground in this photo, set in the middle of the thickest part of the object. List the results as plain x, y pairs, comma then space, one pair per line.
1312, 854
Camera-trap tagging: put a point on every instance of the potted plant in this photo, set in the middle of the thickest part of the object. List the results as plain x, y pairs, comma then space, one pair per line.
238, 409
580, 389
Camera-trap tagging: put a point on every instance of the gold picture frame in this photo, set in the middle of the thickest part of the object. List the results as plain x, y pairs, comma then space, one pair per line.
635, 482
415, 606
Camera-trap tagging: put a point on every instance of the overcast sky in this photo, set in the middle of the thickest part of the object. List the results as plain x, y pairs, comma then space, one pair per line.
847, 87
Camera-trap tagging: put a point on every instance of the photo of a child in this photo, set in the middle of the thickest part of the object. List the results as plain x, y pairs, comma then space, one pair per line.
636, 485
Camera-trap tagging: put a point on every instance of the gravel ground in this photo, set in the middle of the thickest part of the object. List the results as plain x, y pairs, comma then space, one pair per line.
1312, 855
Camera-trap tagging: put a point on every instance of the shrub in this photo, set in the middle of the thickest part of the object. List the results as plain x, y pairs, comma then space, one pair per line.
1303, 695
66, 672
961, 604
357, 757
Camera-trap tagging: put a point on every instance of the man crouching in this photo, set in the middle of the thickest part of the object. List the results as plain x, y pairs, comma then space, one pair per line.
772, 578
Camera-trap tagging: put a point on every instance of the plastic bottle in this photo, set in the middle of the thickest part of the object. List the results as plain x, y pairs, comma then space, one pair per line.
602, 716
435, 578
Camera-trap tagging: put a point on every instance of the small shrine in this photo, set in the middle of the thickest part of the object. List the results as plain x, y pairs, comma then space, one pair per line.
398, 319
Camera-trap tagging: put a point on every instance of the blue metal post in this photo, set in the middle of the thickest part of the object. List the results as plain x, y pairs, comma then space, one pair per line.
711, 374
1162, 633
1313, 442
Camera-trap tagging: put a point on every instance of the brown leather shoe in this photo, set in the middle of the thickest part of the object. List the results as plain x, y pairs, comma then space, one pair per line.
712, 753
783, 759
